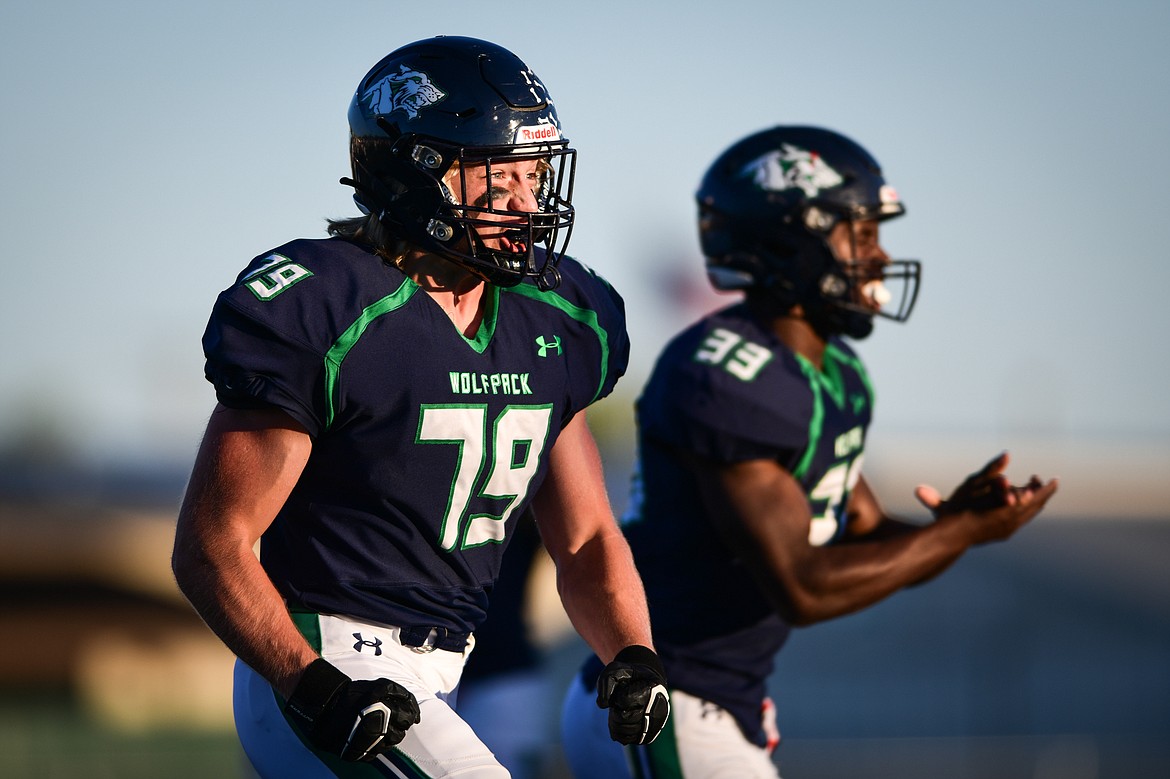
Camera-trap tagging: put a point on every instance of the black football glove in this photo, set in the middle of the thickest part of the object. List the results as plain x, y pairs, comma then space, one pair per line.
357, 720
633, 688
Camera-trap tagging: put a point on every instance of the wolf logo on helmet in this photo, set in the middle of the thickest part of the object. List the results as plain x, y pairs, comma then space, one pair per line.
791, 166
766, 208
406, 160
408, 90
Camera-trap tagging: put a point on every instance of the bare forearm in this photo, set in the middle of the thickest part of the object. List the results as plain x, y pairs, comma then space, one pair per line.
603, 596
841, 579
234, 596
598, 583
248, 463
763, 514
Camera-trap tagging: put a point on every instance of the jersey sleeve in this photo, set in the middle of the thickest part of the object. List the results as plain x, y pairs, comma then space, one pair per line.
712, 412
264, 349
613, 336
253, 365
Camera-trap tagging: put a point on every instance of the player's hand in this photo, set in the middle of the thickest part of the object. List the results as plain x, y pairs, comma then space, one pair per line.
633, 688
988, 495
985, 489
357, 720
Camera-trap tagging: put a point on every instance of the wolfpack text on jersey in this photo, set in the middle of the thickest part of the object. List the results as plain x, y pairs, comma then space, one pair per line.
320, 329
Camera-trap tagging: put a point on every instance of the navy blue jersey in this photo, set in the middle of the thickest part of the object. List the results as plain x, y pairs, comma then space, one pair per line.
727, 390
427, 445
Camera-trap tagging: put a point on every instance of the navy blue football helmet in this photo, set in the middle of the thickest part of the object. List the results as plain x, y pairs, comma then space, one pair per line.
766, 207
437, 105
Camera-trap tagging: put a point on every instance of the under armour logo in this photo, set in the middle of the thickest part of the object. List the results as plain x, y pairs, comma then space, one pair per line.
544, 345
709, 709
376, 644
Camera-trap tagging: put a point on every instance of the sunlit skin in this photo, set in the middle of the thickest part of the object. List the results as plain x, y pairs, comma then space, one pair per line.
855, 243
512, 187
858, 243
224, 513
764, 514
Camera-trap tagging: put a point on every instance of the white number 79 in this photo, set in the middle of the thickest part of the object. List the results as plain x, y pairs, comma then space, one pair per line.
516, 440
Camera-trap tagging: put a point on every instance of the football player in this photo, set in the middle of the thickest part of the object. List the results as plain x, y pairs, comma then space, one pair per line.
750, 513
393, 400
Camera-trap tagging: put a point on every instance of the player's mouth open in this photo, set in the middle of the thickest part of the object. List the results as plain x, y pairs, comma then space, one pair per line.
513, 241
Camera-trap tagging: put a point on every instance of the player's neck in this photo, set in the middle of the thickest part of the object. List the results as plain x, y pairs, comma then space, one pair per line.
790, 326
799, 336
458, 293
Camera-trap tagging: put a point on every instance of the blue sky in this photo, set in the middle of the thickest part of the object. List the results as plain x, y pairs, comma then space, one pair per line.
149, 150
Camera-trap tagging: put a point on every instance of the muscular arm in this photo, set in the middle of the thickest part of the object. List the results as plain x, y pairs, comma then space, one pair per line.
762, 513
246, 468
599, 586
868, 523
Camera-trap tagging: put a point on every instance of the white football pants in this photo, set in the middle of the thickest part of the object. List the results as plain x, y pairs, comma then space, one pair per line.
442, 745
700, 741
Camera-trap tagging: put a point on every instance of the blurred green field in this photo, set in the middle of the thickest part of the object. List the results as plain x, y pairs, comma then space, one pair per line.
53, 739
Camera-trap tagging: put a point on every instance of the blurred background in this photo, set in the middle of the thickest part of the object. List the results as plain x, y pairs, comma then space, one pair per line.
149, 150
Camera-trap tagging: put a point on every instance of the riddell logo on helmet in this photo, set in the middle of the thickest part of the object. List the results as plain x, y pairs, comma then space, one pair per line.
537, 133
